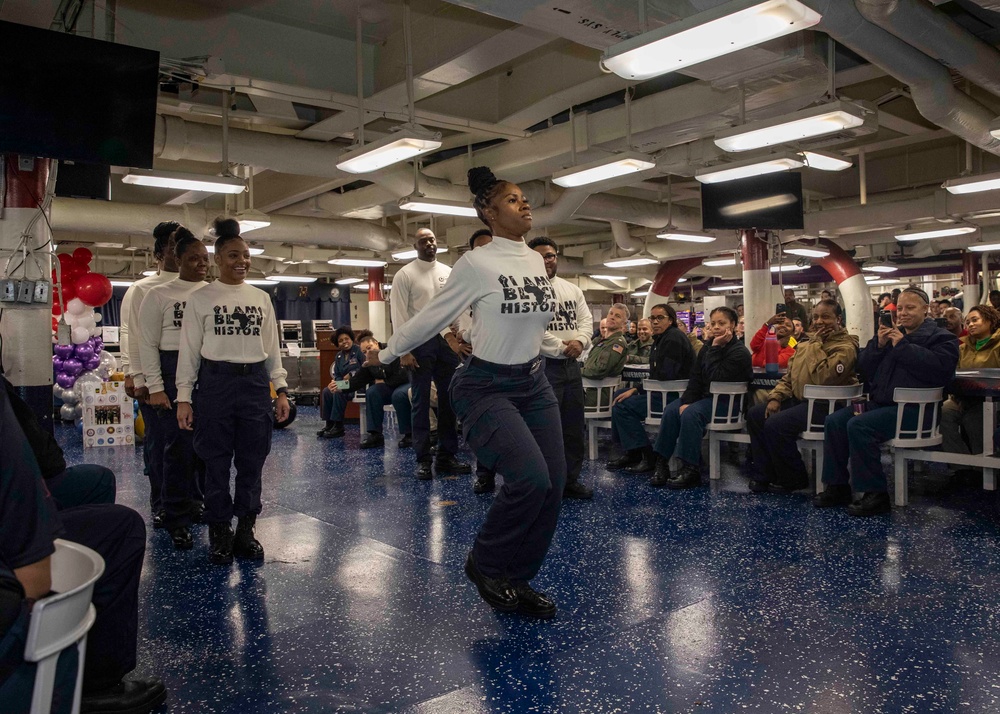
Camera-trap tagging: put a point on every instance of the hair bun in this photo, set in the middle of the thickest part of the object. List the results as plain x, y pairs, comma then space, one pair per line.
226, 228
481, 178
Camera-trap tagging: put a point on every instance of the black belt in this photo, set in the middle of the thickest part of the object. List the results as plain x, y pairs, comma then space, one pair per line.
175, 353
231, 367
512, 370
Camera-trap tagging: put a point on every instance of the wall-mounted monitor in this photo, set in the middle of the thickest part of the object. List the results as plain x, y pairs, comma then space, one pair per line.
769, 202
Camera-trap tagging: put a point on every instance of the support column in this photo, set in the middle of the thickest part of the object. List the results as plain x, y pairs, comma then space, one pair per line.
376, 304
970, 280
27, 332
757, 304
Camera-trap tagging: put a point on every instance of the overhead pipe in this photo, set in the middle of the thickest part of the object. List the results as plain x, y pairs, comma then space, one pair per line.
934, 95
853, 289
970, 279
624, 239
669, 273
922, 25
72, 214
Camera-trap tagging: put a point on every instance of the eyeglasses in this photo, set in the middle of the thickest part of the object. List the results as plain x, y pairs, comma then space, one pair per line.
657, 318
550, 256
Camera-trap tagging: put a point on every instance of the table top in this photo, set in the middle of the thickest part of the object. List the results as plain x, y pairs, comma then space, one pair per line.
976, 383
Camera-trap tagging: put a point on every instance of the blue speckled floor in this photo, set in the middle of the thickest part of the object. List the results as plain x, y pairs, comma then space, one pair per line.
711, 600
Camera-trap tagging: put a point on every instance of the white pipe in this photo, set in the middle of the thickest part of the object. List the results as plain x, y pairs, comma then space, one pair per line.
72, 214
623, 239
857, 297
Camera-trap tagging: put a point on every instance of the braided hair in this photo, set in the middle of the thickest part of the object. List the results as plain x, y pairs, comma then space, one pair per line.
485, 187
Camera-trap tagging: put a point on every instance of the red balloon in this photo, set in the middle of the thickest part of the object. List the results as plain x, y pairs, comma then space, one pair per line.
68, 289
83, 255
66, 259
73, 272
55, 324
56, 308
93, 289
55, 276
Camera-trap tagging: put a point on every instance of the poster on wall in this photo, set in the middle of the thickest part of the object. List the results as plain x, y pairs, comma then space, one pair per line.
108, 416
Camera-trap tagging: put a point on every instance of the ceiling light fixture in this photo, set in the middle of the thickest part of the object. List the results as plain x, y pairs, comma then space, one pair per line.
412, 253
805, 124
719, 261
632, 261
973, 184
358, 262
671, 233
629, 162
422, 204
260, 282
792, 268
878, 266
983, 247
720, 288
253, 251
826, 160
348, 281
751, 167
251, 219
721, 30
934, 230
184, 181
121, 283
814, 249
292, 278
609, 277
149, 273
409, 141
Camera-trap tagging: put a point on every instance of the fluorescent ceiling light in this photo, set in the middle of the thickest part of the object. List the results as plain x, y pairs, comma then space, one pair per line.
727, 28
808, 250
359, 262
102, 244
877, 266
641, 293
983, 247
632, 261
750, 167
671, 233
883, 281
720, 288
185, 181
935, 230
258, 281
719, 261
348, 281
149, 273
609, 277
826, 160
252, 219
121, 283
805, 124
408, 142
387, 286
421, 204
682, 280
788, 268
292, 278
609, 167
412, 253
973, 184
253, 251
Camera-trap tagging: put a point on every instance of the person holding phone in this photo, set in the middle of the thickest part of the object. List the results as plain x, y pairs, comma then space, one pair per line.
910, 352
338, 393
229, 350
786, 343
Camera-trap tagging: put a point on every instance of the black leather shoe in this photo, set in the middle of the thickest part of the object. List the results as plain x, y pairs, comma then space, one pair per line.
446, 464
872, 503
532, 603
629, 458
796, 483
220, 543
838, 494
484, 484
424, 472
406, 442
372, 441
577, 490
323, 430
688, 477
759, 486
661, 475
159, 519
334, 432
497, 592
244, 544
129, 696
182, 539
197, 511
644, 466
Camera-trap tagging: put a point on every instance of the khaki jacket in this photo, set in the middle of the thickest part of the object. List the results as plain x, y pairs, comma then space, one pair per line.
696, 342
971, 358
829, 362
638, 351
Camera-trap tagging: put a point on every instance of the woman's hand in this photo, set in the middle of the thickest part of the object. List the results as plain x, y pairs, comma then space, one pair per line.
624, 395
723, 338
185, 416
773, 407
681, 410
282, 408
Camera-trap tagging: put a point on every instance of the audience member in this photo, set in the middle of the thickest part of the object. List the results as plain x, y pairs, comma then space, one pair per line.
638, 350
607, 356
798, 331
739, 309
828, 358
633, 332
962, 417
914, 353
794, 309
741, 329
684, 419
334, 399
786, 343
954, 322
995, 299
383, 384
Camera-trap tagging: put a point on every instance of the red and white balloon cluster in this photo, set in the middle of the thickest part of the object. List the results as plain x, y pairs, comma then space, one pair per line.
82, 291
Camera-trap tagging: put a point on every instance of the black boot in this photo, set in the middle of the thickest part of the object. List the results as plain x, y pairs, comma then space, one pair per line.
630, 457
220, 543
837, 494
244, 544
689, 476
646, 464
326, 427
181, 536
372, 441
871, 503
662, 474
333, 432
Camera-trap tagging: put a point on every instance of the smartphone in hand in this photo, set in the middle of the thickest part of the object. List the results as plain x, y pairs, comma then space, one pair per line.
344, 385
885, 318
780, 308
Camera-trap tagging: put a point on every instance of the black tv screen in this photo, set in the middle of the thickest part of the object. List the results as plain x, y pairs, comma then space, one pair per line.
770, 202
74, 98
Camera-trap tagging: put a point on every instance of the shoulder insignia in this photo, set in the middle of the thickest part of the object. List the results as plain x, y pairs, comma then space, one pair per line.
840, 369
618, 348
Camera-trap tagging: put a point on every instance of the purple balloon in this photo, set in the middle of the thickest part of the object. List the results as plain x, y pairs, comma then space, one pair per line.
84, 352
72, 367
64, 351
98, 345
57, 363
92, 363
65, 381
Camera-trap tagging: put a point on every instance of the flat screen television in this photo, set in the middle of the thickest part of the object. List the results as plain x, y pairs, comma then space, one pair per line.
74, 98
769, 202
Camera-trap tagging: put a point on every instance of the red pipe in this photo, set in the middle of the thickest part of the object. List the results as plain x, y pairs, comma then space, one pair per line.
376, 278
25, 188
838, 264
970, 268
670, 272
753, 245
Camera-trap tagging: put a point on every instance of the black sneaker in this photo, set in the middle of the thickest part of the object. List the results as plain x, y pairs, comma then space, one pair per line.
406, 442
447, 464
838, 494
373, 441
577, 490
497, 592
532, 603
181, 536
244, 544
424, 472
220, 543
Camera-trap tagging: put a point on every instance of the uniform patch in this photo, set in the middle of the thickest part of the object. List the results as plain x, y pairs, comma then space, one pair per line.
618, 348
840, 369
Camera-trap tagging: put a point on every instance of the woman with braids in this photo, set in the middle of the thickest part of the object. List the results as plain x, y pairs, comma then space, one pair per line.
962, 417
229, 350
158, 333
508, 411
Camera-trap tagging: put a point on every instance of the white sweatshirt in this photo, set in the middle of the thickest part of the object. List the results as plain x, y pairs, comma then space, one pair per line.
228, 323
129, 313
512, 302
159, 326
572, 320
413, 287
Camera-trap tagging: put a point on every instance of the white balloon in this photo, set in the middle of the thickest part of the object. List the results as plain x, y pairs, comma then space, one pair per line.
76, 306
97, 316
67, 412
78, 410
94, 330
108, 365
80, 335
70, 319
68, 396
86, 383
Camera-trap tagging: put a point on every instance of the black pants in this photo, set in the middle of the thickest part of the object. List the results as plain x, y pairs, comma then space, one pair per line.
567, 384
152, 450
233, 422
180, 464
437, 362
776, 456
511, 419
118, 534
